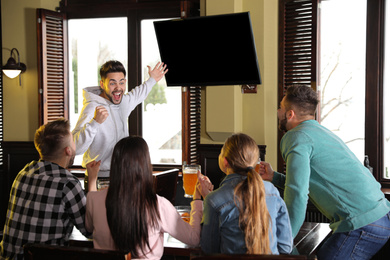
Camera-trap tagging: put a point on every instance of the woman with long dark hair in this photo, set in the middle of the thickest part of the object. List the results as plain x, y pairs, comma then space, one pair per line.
129, 216
245, 214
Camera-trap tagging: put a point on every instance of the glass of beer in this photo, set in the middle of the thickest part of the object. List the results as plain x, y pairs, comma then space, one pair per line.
257, 168
190, 176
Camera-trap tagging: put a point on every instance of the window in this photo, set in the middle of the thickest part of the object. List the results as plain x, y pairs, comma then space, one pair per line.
342, 71
162, 107
362, 90
89, 48
54, 89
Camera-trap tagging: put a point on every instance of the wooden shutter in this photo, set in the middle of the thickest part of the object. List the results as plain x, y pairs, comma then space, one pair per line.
191, 103
52, 65
297, 48
375, 86
298, 42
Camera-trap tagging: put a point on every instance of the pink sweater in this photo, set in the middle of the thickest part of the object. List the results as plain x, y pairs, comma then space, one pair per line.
171, 223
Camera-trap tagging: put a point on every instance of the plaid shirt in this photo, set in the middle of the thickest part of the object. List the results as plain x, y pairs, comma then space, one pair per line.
46, 201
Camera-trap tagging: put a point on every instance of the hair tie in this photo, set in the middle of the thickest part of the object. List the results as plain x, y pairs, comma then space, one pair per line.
249, 168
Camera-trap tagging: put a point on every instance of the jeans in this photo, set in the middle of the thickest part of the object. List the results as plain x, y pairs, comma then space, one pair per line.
362, 243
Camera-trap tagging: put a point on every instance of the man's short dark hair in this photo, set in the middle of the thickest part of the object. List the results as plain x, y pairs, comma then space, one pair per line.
51, 138
111, 66
301, 98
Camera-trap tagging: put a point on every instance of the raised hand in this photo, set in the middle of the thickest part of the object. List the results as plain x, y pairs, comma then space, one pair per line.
158, 72
93, 168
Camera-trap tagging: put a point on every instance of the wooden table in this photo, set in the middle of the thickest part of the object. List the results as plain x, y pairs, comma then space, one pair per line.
173, 247
306, 242
310, 237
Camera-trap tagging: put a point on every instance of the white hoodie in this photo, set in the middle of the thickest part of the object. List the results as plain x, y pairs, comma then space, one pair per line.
98, 140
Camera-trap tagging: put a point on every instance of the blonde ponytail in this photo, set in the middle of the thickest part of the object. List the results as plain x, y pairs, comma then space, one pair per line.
254, 216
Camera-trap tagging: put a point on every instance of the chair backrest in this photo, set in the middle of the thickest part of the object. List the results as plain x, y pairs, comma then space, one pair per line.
165, 184
50, 252
251, 257
208, 159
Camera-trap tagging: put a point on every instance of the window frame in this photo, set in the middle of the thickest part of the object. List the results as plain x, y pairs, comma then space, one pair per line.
374, 88
1, 104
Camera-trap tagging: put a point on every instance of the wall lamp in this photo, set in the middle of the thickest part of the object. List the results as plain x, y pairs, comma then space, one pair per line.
12, 69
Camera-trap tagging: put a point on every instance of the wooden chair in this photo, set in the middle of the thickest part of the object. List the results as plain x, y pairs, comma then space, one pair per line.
50, 252
252, 257
165, 184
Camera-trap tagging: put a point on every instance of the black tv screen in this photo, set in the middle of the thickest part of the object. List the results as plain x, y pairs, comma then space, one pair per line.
209, 50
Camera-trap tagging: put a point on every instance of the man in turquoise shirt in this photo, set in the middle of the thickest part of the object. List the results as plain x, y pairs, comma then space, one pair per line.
321, 167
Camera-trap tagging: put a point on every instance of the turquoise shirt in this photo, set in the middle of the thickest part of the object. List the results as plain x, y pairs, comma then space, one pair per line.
321, 167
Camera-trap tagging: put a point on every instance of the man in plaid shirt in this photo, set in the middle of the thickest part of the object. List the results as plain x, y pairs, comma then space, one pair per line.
46, 200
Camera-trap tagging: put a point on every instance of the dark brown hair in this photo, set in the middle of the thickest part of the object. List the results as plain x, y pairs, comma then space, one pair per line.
242, 154
111, 66
51, 138
302, 98
131, 201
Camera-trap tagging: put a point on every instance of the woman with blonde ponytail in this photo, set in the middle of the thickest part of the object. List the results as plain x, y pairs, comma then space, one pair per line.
245, 214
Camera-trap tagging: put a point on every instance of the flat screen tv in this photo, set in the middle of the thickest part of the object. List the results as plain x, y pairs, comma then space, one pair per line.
209, 50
